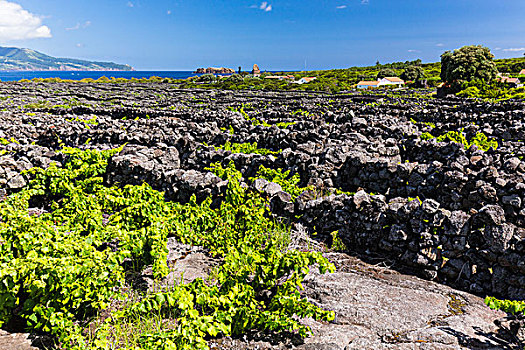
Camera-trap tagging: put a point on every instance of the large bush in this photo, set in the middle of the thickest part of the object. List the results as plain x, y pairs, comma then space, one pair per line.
386, 73
235, 78
466, 64
413, 73
207, 78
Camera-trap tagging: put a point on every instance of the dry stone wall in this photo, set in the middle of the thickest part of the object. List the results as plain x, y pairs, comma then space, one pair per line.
444, 212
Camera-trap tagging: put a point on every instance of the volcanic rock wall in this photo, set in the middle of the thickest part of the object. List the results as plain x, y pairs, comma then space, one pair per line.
447, 213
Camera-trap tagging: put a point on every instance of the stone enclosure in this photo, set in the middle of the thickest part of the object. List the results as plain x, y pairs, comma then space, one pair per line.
439, 211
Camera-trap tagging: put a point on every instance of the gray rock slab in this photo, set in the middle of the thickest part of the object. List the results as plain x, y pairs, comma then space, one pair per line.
15, 341
378, 308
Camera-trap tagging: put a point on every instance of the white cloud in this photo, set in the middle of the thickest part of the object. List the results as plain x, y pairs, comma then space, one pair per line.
440, 45
19, 24
340, 7
78, 26
79, 45
364, 2
514, 49
74, 28
168, 12
264, 6
130, 4
412, 50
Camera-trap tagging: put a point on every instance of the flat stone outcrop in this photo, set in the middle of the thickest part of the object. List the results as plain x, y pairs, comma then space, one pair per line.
377, 308
15, 341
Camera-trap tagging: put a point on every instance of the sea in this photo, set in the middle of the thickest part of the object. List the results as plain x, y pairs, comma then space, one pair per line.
79, 75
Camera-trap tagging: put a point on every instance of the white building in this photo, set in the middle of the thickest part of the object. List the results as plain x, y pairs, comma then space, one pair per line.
305, 80
391, 81
380, 82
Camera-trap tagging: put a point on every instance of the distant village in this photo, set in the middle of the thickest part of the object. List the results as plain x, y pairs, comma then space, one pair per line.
363, 84
256, 72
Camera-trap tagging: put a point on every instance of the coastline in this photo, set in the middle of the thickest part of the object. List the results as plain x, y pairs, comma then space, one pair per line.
9, 76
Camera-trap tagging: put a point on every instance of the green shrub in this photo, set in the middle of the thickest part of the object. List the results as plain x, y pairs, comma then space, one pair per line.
472, 92
61, 267
235, 78
494, 91
256, 122
288, 183
207, 78
480, 139
246, 148
426, 136
509, 306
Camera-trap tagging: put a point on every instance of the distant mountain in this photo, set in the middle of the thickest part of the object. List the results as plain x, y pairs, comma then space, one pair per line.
15, 59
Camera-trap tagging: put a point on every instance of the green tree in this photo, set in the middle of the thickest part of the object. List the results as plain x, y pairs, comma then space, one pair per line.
517, 67
413, 73
466, 64
386, 73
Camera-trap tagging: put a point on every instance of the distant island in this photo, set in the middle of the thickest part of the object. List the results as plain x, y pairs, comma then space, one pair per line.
213, 70
16, 59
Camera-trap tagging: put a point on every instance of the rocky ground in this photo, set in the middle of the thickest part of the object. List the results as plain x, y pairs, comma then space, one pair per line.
424, 228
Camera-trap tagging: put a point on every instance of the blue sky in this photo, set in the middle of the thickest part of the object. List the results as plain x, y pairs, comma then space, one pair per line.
276, 34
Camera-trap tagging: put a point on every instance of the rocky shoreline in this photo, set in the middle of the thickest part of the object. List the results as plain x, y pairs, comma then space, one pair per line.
454, 217
213, 70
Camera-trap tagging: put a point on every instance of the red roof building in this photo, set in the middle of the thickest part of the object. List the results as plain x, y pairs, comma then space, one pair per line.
394, 80
511, 81
364, 84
